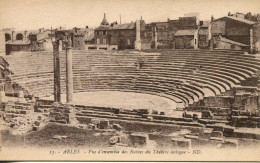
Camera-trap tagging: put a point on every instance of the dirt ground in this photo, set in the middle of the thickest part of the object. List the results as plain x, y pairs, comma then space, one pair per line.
44, 138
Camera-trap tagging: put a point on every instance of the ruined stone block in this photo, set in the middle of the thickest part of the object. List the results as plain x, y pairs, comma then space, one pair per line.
35, 128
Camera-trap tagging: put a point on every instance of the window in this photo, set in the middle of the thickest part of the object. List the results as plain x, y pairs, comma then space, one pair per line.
232, 46
128, 42
7, 37
104, 41
98, 41
19, 36
78, 42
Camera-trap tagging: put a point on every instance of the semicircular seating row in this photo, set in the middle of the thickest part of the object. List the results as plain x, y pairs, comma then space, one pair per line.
185, 76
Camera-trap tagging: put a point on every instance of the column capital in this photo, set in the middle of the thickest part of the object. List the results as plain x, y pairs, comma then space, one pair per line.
56, 42
68, 44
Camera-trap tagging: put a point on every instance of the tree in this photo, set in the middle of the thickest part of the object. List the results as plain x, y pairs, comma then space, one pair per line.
251, 17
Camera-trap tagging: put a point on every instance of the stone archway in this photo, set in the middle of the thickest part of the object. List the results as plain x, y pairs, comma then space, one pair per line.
7, 37
19, 36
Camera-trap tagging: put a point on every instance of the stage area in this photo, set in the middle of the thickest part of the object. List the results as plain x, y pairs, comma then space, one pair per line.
123, 100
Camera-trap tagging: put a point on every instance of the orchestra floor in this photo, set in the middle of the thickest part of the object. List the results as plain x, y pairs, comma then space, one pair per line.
123, 100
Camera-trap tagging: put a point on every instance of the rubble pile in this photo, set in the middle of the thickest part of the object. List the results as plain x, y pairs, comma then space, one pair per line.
20, 118
15, 109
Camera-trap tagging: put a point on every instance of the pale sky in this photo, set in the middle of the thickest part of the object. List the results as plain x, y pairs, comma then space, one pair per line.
34, 14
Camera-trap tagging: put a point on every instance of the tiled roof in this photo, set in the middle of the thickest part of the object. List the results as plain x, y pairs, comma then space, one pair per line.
232, 42
90, 37
186, 32
239, 19
124, 26
103, 27
117, 26
242, 20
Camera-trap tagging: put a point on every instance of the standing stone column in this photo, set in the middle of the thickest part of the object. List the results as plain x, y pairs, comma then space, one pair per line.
56, 67
155, 38
60, 45
69, 74
251, 41
138, 36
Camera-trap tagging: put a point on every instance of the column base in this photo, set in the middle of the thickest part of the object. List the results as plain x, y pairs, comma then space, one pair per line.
56, 103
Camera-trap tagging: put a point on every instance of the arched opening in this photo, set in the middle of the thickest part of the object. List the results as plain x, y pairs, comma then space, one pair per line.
19, 36
7, 37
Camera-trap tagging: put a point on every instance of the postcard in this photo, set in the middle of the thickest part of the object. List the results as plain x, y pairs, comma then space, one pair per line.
133, 80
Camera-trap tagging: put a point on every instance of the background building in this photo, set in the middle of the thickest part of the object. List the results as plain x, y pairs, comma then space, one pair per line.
162, 34
186, 39
234, 28
256, 37
115, 35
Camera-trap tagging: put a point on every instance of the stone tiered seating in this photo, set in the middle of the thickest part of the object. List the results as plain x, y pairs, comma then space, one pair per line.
181, 75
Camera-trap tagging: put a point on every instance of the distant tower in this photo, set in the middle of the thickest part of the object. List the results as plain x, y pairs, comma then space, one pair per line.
120, 19
104, 21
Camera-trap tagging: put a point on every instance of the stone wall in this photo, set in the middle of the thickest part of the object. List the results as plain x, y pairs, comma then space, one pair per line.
203, 38
2, 43
59, 113
256, 37
218, 101
184, 42
78, 42
232, 29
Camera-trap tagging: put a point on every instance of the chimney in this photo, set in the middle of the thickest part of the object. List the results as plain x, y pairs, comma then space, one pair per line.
212, 18
25, 32
12, 36
120, 19
51, 33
